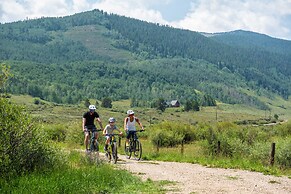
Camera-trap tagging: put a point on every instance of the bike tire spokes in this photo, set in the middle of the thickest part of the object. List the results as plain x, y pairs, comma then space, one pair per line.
137, 150
114, 153
127, 150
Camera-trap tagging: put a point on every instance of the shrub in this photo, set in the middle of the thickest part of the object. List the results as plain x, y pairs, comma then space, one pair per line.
22, 147
37, 101
284, 129
283, 155
168, 134
260, 151
74, 134
56, 132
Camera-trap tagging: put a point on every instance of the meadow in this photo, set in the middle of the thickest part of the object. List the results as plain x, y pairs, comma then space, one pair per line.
244, 135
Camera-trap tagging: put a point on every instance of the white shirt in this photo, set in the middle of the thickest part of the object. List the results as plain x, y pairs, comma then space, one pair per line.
130, 126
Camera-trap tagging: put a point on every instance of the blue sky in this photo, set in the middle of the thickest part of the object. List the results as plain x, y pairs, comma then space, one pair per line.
271, 17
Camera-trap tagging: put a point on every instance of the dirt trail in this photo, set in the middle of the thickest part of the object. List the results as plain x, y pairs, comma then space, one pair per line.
194, 178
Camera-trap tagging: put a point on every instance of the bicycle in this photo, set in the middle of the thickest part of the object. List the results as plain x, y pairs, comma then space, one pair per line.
134, 147
112, 148
93, 145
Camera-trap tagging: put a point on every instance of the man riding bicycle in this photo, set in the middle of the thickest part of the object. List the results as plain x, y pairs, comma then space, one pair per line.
129, 125
88, 124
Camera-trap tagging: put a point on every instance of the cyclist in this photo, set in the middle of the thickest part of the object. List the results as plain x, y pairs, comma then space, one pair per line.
129, 125
88, 124
109, 130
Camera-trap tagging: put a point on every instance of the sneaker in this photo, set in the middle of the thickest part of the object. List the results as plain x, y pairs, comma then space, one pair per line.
87, 150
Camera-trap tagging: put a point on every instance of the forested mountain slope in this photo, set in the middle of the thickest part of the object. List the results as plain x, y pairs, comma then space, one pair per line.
95, 55
251, 40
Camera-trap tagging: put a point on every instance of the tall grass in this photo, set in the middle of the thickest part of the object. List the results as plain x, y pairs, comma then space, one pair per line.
223, 145
79, 176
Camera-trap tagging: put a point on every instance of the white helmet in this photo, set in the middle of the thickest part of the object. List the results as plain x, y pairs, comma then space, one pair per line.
111, 120
92, 107
130, 112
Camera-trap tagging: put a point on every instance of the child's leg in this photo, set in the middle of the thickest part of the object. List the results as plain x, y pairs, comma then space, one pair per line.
106, 143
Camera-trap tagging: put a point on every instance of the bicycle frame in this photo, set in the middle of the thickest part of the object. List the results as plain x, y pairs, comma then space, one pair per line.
93, 143
112, 148
93, 147
134, 147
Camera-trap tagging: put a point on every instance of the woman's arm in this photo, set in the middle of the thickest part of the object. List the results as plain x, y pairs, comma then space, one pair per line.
125, 123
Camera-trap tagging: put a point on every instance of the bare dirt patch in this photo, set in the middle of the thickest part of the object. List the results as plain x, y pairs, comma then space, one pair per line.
194, 178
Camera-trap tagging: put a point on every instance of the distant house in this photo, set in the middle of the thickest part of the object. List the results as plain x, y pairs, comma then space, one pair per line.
175, 103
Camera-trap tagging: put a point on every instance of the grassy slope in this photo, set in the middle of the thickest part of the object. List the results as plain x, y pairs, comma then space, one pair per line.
94, 39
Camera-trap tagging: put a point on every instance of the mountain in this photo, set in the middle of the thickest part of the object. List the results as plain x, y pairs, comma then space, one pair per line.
249, 40
95, 55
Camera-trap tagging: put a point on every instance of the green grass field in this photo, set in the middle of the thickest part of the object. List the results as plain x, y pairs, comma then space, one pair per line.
62, 125
223, 112
55, 117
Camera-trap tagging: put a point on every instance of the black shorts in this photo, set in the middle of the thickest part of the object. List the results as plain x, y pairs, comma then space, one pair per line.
91, 128
130, 134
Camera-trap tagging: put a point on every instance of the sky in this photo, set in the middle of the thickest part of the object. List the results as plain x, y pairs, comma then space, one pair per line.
270, 17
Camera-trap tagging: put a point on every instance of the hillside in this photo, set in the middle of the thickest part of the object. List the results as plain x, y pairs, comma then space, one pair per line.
95, 55
249, 40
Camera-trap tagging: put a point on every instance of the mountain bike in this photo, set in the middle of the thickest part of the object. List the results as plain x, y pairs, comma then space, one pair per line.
134, 147
93, 146
112, 148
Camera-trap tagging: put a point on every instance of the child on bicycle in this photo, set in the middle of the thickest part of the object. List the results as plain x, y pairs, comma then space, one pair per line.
109, 130
129, 125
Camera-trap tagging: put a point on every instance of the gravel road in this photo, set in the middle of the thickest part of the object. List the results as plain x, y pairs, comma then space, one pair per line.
194, 178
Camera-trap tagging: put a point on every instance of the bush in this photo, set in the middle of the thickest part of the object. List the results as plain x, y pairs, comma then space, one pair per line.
22, 147
260, 151
284, 129
283, 155
169, 134
75, 134
56, 132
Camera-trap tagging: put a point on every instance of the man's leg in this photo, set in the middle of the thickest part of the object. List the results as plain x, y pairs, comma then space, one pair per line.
86, 140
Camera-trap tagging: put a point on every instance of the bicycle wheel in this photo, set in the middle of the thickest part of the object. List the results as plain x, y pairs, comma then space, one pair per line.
109, 156
95, 145
138, 150
127, 150
114, 152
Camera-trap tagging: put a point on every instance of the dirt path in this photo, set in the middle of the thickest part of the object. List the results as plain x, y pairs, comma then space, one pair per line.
193, 178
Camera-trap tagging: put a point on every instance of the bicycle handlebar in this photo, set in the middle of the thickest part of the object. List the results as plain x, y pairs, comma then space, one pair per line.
112, 134
93, 131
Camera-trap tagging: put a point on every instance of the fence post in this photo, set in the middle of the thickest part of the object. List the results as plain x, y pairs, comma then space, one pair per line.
158, 146
272, 155
182, 147
218, 147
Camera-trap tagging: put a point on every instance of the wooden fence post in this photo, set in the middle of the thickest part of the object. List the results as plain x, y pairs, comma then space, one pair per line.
158, 146
182, 147
218, 147
272, 155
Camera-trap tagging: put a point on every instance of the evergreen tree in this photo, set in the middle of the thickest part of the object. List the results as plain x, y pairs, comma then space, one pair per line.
106, 102
87, 103
161, 104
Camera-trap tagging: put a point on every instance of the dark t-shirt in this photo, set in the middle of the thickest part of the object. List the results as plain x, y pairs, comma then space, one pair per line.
90, 118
